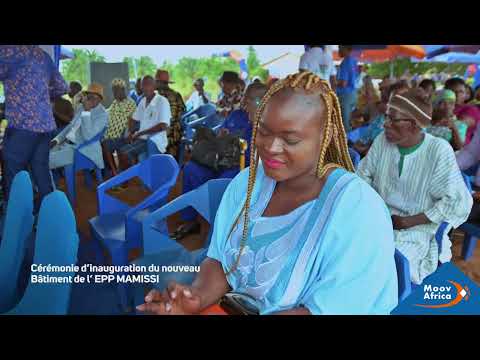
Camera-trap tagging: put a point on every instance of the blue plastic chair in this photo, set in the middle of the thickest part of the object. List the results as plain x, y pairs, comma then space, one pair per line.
81, 162
200, 112
17, 228
152, 149
355, 157
472, 231
160, 249
56, 243
118, 227
403, 276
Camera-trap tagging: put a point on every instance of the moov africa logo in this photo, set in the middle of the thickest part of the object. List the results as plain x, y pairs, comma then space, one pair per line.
448, 291
448, 296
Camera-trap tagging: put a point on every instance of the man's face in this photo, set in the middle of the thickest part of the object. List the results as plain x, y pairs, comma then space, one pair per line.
73, 90
198, 85
227, 87
92, 101
148, 87
118, 93
398, 128
138, 86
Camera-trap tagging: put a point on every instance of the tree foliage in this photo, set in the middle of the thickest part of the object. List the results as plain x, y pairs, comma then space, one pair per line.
183, 73
78, 68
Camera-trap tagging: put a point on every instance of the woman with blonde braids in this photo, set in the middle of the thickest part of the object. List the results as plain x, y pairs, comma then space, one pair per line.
297, 231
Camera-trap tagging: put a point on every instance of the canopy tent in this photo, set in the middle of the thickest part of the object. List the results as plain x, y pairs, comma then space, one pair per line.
453, 58
435, 50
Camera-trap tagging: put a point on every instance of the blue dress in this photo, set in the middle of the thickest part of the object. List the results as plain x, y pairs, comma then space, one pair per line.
332, 255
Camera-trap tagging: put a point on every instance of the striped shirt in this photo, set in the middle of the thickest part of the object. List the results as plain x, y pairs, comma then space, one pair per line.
430, 183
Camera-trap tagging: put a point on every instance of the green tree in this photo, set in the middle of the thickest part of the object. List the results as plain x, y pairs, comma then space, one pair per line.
144, 66
254, 66
78, 68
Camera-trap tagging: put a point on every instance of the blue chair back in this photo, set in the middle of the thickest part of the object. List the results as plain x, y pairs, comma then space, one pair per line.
200, 112
17, 228
403, 276
81, 162
158, 171
355, 157
205, 200
56, 243
467, 182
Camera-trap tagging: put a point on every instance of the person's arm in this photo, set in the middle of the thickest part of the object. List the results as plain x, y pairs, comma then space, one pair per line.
153, 130
453, 200
356, 268
406, 222
456, 142
205, 98
368, 165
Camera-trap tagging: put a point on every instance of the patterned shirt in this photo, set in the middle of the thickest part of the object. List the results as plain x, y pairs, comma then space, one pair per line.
119, 113
229, 102
177, 107
30, 80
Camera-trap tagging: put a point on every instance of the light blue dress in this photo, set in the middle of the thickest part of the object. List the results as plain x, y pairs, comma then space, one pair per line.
332, 255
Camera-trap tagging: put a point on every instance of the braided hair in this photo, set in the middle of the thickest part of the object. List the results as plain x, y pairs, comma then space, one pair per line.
334, 149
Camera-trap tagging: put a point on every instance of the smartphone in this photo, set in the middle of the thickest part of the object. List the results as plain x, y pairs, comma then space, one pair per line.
239, 304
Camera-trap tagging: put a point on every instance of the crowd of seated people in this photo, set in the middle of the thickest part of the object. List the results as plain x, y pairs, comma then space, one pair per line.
281, 234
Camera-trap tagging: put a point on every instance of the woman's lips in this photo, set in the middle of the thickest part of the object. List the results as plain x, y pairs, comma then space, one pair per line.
273, 164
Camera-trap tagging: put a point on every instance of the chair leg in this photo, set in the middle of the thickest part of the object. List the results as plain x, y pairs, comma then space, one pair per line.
70, 180
469, 245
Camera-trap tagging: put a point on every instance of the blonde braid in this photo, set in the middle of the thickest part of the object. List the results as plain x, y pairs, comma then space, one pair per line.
333, 154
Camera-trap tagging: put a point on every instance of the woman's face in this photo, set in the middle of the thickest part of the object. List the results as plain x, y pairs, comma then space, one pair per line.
460, 91
290, 133
447, 107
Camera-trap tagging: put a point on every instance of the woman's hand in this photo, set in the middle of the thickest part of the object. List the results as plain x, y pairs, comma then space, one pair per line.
176, 300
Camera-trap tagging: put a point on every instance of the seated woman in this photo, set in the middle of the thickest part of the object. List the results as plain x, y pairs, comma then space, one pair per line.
470, 114
375, 127
444, 122
469, 159
282, 233
195, 175
417, 176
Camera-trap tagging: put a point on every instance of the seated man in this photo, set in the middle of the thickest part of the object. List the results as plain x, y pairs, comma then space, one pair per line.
238, 123
199, 97
119, 115
153, 114
418, 178
90, 120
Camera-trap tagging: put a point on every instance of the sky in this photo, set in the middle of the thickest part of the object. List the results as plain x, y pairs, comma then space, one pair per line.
172, 53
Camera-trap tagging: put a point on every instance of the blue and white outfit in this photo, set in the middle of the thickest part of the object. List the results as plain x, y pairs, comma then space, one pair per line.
314, 256
84, 126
